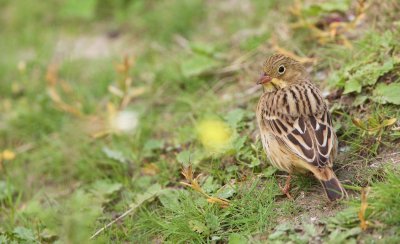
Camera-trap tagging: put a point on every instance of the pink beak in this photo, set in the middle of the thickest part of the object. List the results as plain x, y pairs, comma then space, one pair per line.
264, 78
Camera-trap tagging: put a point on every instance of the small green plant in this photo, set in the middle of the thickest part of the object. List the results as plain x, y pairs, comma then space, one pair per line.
376, 209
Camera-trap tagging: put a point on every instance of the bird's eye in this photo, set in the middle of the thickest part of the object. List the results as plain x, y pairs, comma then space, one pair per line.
281, 69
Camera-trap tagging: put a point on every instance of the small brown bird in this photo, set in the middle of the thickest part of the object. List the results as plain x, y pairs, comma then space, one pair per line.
295, 124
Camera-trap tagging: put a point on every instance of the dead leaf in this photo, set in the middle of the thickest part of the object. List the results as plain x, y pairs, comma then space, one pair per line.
187, 172
52, 81
290, 54
52, 75
222, 202
115, 91
126, 64
335, 31
389, 122
357, 122
150, 169
364, 204
372, 130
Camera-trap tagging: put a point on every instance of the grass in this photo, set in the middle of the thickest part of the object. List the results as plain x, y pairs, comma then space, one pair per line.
103, 104
193, 219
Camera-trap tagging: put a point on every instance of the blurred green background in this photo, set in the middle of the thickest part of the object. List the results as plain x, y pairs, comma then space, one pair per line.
103, 103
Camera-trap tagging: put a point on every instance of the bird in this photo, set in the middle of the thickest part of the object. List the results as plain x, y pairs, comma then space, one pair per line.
295, 125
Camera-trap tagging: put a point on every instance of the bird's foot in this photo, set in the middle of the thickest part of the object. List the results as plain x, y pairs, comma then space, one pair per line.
286, 189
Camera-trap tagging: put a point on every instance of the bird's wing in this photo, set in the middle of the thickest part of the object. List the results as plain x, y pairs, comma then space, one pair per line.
310, 137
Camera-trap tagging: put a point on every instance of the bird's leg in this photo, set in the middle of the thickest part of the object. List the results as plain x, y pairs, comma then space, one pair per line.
285, 190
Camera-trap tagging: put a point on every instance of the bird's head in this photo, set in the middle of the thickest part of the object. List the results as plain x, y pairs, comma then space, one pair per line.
280, 71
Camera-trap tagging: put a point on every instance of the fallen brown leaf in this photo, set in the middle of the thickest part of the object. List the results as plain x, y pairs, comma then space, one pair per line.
364, 205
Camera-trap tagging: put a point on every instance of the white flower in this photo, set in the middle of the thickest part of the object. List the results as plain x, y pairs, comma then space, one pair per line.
125, 121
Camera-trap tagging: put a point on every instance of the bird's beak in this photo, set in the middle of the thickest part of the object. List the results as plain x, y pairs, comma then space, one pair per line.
264, 78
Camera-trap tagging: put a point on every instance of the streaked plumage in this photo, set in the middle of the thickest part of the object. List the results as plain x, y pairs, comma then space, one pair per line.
295, 124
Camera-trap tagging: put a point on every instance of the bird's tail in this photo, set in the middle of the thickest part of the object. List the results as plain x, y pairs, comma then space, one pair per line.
333, 189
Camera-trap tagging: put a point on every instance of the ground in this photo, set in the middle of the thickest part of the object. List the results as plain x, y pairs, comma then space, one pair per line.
133, 121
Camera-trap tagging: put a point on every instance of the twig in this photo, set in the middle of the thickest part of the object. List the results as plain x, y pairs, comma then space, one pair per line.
112, 222
146, 196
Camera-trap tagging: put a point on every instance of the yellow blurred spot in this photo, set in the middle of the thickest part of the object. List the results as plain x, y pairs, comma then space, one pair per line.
215, 135
7, 155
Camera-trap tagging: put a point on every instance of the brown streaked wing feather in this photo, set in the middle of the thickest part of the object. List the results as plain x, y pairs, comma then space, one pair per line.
295, 135
325, 137
311, 138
